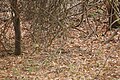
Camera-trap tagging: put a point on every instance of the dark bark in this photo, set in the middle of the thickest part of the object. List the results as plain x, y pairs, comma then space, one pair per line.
16, 25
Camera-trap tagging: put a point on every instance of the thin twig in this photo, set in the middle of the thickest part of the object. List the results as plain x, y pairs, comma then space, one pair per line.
111, 37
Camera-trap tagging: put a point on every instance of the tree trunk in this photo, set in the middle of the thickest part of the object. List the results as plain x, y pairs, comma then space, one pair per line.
16, 25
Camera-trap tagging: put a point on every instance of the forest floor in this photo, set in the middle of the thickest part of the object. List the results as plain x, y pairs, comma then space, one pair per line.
73, 58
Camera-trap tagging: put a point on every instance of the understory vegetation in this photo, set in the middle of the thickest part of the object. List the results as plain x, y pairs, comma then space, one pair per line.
58, 40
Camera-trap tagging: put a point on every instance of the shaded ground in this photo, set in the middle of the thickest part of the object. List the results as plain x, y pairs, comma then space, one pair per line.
71, 58
78, 55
